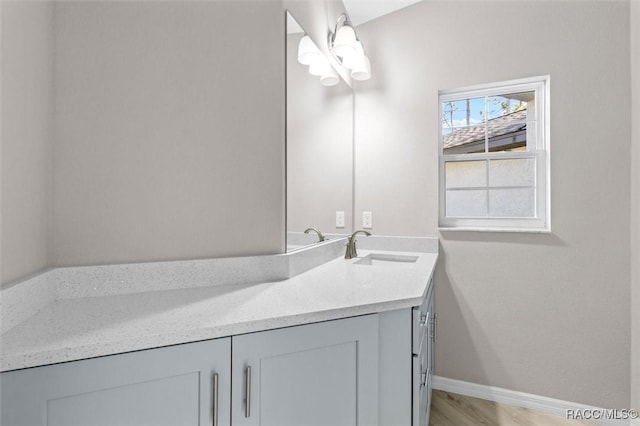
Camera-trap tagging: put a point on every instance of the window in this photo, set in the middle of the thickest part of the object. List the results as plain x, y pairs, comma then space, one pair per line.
494, 157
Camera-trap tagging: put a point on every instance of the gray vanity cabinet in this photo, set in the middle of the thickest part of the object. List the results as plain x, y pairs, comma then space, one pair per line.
168, 386
317, 374
355, 371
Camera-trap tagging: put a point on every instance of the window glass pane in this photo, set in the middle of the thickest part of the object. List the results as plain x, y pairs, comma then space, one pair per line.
531, 109
465, 174
462, 113
466, 203
465, 140
507, 121
512, 202
498, 106
463, 127
532, 136
516, 172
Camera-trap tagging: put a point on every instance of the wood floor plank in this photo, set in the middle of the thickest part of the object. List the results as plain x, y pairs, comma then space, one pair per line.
449, 409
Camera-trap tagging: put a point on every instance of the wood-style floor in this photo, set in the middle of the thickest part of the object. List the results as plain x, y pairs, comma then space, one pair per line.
449, 409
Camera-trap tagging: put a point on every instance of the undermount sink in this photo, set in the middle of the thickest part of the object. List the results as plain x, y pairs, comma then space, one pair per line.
386, 259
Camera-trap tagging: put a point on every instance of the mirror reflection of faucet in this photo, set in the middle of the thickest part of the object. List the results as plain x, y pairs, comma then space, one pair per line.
321, 237
351, 244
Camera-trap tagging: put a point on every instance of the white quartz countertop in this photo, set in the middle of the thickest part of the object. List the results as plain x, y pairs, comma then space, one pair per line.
79, 328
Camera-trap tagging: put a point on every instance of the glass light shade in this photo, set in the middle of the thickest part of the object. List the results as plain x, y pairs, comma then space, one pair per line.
307, 51
362, 70
344, 43
320, 66
330, 79
352, 60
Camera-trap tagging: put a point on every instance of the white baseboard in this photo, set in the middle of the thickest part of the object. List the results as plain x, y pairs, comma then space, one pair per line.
518, 399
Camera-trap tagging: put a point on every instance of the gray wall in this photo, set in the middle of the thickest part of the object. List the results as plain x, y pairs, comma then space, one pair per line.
319, 149
26, 137
635, 205
169, 130
544, 314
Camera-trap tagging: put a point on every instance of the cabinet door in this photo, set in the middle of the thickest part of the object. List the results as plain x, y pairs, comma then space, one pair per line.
395, 367
167, 386
312, 375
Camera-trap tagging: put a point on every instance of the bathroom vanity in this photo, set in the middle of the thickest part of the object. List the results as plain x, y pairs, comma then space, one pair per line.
325, 373
349, 342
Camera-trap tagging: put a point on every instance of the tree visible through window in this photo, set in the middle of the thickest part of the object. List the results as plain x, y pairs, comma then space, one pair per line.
494, 156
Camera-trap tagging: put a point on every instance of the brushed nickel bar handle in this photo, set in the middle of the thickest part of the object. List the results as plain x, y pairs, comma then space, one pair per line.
247, 378
435, 327
215, 399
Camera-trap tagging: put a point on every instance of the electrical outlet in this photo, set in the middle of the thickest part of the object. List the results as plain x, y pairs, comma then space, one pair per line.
339, 219
367, 220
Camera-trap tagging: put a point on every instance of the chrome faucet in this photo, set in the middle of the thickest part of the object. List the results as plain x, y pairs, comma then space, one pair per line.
321, 237
351, 244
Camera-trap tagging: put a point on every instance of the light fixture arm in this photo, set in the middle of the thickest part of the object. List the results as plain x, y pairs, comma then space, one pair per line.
343, 19
349, 48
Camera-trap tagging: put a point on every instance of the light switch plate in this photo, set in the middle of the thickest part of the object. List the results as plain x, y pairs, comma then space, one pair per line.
339, 219
367, 220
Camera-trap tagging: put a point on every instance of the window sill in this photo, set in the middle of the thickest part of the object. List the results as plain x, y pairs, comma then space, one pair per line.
517, 230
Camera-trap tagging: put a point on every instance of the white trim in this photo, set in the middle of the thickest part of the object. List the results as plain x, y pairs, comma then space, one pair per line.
472, 229
519, 399
478, 90
503, 155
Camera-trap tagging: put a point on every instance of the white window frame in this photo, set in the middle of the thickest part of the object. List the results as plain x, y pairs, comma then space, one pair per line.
539, 148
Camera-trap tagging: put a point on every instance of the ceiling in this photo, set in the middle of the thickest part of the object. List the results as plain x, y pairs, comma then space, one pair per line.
361, 11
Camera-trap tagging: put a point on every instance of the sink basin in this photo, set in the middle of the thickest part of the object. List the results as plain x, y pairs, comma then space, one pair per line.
386, 260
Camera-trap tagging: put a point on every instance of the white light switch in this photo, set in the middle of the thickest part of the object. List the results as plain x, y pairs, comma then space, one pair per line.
367, 220
339, 219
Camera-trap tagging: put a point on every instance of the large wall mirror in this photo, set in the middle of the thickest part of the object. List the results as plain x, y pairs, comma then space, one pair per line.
319, 151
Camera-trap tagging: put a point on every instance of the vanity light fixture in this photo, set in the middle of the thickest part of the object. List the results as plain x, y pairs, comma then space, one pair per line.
330, 79
344, 39
307, 51
320, 66
354, 58
362, 70
309, 54
348, 49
